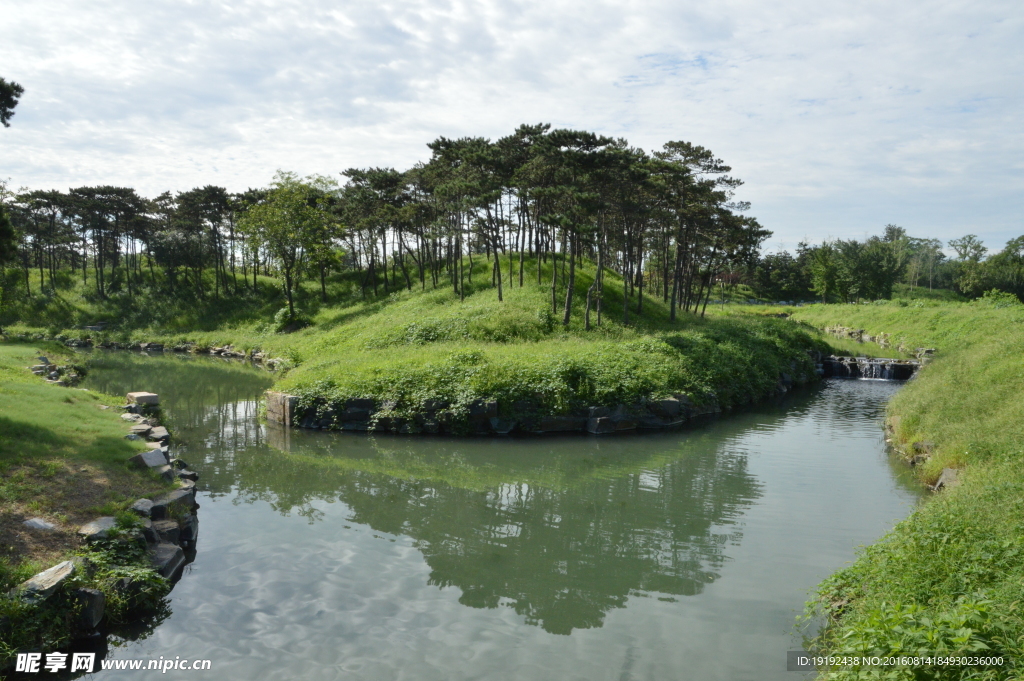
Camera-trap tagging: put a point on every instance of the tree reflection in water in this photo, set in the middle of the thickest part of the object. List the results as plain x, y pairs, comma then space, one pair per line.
562, 530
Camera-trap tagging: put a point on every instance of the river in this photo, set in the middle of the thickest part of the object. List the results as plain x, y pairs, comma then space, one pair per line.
683, 555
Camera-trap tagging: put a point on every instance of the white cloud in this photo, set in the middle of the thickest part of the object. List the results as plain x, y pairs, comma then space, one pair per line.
840, 117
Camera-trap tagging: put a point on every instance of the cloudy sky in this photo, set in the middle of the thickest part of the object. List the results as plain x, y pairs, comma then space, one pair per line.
839, 116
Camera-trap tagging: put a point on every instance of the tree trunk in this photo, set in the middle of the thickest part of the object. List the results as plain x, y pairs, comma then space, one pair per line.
572, 280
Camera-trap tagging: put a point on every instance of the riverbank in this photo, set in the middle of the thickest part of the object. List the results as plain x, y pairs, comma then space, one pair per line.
65, 478
950, 578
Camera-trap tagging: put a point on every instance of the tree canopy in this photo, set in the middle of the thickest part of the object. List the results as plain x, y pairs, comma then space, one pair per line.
10, 93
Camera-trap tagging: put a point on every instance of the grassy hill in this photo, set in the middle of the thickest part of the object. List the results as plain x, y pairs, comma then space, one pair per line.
412, 346
950, 578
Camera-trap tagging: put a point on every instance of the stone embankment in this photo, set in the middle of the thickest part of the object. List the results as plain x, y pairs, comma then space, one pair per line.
481, 417
884, 340
892, 369
227, 351
167, 527
66, 375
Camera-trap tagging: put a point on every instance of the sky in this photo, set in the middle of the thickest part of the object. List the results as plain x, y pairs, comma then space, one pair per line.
840, 117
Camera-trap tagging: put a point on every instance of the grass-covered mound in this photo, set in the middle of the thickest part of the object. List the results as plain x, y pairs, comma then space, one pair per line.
949, 578
427, 347
408, 347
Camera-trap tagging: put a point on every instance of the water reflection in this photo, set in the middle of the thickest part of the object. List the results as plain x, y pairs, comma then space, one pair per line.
342, 555
559, 530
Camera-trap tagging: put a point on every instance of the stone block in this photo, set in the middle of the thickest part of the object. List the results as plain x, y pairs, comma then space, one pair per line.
189, 529
141, 429
143, 507
388, 424
669, 408
167, 531
360, 403
174, 504
625, 423
97, 529
483, 409
144, 398
159, 434
355, 414
561, 424
600, 425
281, 407
167, 559
46, 583
154, 458
39, 524
93, 603
949, 479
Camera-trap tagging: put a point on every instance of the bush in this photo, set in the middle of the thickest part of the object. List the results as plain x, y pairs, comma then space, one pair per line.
286, 322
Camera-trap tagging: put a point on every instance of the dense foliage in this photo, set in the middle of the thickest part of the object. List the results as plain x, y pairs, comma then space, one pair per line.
665, 222
850, 270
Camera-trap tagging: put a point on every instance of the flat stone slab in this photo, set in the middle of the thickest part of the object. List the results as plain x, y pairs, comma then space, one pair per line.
144, 398
142, 429
154, 458
168, 559
97, 529
174, 503
167, 531
39, 524
47, 582
143, 507
949, 479
159, 433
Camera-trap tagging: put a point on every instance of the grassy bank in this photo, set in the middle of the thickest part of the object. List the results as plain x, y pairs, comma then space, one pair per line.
950, 578
62, 458
412, 346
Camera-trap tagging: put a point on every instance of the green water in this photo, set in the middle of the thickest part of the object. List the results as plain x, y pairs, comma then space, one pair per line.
668, 556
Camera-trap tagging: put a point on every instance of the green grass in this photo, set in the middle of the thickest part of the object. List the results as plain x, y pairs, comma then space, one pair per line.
904, 292
62, 457
42, 420
951, 576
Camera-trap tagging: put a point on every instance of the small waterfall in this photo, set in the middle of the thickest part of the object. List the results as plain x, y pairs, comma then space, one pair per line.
869, 367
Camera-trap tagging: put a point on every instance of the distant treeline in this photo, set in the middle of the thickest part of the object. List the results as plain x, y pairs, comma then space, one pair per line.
665, 221
849, 271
